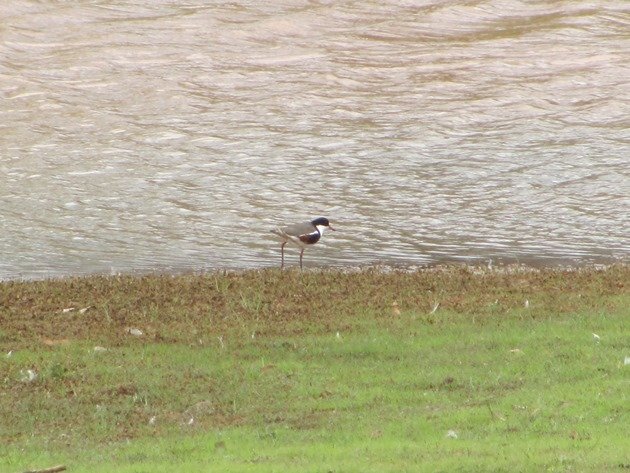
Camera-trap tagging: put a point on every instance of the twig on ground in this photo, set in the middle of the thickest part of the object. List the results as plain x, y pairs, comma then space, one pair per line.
492, 413
52, 469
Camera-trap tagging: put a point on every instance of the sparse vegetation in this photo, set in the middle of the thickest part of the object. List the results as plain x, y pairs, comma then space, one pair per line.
447, 369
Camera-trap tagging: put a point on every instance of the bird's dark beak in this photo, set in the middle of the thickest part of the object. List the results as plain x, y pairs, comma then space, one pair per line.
331, 227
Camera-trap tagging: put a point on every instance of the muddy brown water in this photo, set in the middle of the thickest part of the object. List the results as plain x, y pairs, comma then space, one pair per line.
158, 135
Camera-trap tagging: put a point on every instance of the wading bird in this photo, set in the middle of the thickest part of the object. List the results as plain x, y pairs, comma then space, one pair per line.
302, 235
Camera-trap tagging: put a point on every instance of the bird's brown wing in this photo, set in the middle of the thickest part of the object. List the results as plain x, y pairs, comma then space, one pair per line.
299, 229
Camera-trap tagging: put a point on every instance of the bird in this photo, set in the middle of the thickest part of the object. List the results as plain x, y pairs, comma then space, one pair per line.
302, 235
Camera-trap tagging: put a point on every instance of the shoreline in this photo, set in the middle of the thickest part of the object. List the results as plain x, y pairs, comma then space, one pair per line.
105, 305
500, 266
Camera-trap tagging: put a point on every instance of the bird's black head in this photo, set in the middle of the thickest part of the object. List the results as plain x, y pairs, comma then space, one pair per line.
323, 222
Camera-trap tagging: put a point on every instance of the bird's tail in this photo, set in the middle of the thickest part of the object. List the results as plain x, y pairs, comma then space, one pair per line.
278, 231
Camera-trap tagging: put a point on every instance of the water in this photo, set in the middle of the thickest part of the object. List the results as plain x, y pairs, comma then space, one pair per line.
158, 135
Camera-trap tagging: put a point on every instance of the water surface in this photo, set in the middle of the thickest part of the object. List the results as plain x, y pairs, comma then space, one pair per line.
159, 135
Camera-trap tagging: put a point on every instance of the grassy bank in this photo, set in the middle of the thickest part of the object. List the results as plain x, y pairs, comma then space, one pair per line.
448, 369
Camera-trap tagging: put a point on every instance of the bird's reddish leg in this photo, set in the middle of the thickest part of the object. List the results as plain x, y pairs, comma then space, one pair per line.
301, 253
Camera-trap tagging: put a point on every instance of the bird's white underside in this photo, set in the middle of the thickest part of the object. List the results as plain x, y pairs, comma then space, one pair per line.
321, 229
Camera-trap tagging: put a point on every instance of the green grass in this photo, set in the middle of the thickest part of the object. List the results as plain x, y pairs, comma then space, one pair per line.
233, 374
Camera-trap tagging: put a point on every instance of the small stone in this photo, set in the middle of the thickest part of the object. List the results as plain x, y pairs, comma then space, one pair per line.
28, 376
395, 309
451, 434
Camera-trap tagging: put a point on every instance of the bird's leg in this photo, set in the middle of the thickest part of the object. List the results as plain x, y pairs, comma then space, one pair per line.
301, 253
282, 260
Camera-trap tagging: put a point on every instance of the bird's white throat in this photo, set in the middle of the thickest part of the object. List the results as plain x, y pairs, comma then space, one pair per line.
321, 229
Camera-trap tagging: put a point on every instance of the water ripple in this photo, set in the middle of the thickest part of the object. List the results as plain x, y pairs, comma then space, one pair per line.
172, 137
